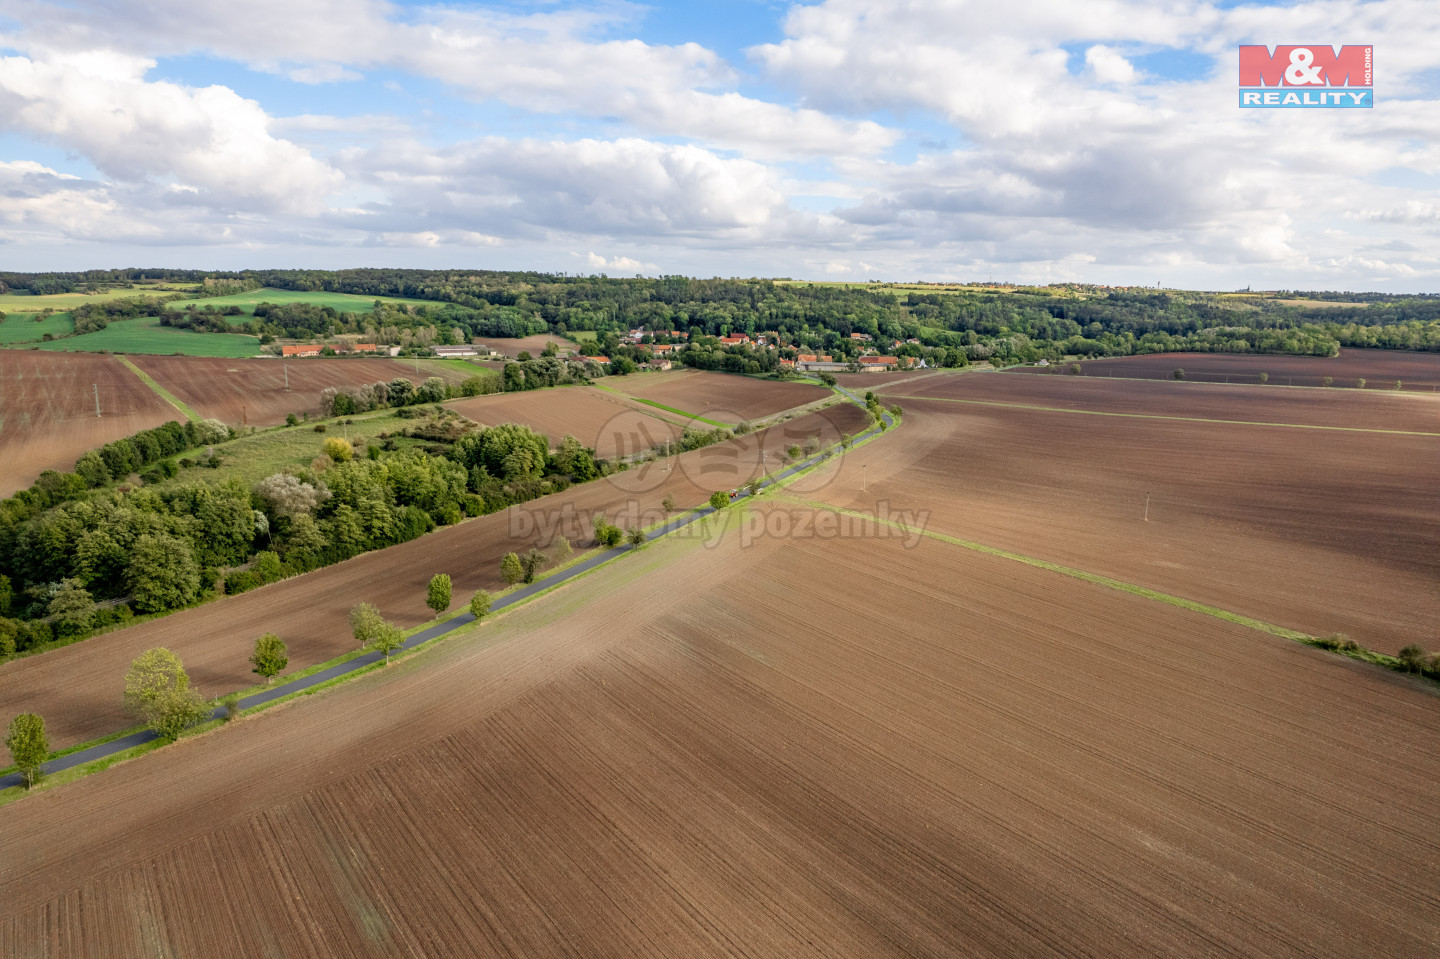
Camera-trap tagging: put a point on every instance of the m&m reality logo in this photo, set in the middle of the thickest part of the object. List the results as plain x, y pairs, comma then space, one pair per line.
1307, 77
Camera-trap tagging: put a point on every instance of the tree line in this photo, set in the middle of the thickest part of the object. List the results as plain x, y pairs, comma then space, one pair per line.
87, 550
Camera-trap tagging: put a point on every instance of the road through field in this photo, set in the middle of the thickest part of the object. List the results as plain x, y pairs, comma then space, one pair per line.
521, 595
712, 751
77, 688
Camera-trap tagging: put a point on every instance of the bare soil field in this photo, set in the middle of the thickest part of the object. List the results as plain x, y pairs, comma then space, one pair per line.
254, 389
990, 761
1321, 531
47, 411
600, 420
1371, 409
78, 688
1379, 368
862, 381
534, 345
722, 397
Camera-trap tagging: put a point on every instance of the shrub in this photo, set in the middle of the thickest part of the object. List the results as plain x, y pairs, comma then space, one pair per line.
637, 537
719, 499
320, 427
231, 705
1339, 643
668, 503
511, 570
1264, 377
1360, 383
338, 449
531, 564
291, 419
1327, 380
1179, 374
1413, 658
480, 604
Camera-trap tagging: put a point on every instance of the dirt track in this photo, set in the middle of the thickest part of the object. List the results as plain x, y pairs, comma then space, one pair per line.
1379, 368
977, 763
47, 410
718, 396
78, 688
1321, 531
600, 420
534, 345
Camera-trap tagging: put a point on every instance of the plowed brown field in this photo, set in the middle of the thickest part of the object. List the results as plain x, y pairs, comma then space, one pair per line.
1379, 368
729, 756
47, 410
1321, 531
600, 420
254, 389
534, 345
77, 688
1255, 404
718, 396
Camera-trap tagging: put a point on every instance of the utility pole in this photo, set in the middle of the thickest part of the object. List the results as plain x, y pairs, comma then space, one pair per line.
864, 478
1147, 506
96, 386
286, 367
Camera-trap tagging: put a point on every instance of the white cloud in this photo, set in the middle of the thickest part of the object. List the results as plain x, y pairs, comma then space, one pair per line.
1067, 166
597, 262
99, 104
1108, 65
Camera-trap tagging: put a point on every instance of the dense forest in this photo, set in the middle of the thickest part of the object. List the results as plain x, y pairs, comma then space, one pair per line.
1012, 324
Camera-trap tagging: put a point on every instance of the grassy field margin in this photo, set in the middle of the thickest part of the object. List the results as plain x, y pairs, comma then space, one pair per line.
160, 391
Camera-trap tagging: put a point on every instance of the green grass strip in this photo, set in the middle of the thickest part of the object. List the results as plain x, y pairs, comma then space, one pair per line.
1158, 416
1079, 574
662, 406
160, 391
1357, 652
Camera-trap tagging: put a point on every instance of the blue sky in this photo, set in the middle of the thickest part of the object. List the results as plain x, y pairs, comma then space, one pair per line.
1036, 140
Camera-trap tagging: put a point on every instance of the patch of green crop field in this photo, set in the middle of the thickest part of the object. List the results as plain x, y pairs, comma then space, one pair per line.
342, 302
25, 303
146, 335
24, 328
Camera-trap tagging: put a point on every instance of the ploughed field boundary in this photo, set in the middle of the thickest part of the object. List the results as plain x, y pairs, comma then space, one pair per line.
112, 749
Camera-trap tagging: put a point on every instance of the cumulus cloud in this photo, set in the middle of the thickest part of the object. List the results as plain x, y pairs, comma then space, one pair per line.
625, 187
597, 262
99, 104
1108, 65
546, 62
1049, 141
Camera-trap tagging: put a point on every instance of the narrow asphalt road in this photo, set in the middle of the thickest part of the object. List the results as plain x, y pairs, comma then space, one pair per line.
115, 746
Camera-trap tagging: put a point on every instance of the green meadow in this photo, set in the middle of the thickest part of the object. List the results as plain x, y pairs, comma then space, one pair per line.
23, 328
25, 303
342, 302
146, 335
